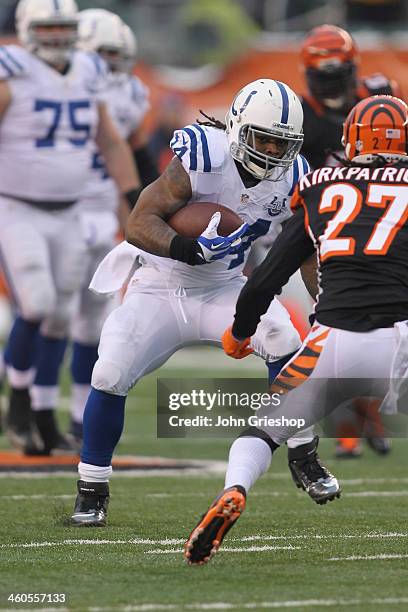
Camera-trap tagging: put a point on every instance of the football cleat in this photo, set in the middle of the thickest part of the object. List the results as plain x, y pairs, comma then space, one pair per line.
205, 539
91, 504
381, 446
20, 429
310, 475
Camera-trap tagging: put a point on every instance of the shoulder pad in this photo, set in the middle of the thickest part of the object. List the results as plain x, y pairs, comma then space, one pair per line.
14, 61
93, 63
95, 70
199, 148
300, 167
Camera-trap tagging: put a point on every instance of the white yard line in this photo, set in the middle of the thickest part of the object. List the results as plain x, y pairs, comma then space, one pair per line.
175, 541
377, 494
224, 549
259, 605
380, 557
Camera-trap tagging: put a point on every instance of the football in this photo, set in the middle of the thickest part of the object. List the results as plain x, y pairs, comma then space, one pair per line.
192, 219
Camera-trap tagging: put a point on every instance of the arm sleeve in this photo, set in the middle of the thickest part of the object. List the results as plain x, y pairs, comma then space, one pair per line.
291, 248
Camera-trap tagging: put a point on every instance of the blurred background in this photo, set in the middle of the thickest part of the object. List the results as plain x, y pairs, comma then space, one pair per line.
196, 54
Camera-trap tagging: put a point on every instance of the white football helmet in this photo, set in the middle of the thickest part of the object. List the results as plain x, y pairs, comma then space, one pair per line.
105, 33
130, 49
35, 17
265, 108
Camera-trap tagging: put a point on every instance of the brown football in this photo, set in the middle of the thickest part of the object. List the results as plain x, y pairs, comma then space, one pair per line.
192, 219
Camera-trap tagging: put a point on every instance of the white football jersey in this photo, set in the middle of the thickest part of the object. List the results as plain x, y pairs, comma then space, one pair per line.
204, 153
127, 100
47, 131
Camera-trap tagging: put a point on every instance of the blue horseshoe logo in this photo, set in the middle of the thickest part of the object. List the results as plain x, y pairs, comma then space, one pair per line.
245, 104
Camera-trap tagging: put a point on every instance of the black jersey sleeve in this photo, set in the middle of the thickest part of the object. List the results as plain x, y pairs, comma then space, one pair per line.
291, 248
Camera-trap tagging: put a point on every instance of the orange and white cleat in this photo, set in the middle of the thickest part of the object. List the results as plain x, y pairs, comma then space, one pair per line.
205, 539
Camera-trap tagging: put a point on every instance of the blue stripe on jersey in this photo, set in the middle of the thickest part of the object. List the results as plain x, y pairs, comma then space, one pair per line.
204, 144
11, 59
305, 164
295, 167
285, 102
193, 148
6, 68
98, 62
57, 5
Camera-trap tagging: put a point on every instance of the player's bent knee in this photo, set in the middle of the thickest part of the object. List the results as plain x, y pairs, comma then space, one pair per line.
37, 306
107, 376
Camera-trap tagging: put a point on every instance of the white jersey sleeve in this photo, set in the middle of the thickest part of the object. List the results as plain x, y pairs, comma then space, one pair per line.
202, 151
13, 62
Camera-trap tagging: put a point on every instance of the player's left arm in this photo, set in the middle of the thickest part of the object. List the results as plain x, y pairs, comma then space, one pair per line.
117, 156
290, 250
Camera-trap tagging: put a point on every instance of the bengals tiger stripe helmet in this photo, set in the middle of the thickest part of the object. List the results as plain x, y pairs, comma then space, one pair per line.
376, 126
329, 58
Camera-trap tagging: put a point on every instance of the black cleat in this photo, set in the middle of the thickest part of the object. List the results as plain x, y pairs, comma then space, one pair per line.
207, 535
20, 429
91, 504
53, 441
310, 475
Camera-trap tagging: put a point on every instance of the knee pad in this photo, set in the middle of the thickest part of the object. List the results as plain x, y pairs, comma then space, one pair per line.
56, 324
107, 376
37, 298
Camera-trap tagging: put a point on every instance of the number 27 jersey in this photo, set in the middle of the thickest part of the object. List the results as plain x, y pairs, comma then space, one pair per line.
357, 217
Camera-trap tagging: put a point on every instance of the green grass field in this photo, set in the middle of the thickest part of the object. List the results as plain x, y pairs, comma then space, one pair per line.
284, 553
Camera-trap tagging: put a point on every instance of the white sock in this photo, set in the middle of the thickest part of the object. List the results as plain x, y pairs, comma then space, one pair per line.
303, 437
20, 379
44, 397
249, 458
79, 395
94, 473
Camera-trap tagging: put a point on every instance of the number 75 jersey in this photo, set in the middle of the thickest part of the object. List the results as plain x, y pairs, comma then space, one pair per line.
47, 130
357, 218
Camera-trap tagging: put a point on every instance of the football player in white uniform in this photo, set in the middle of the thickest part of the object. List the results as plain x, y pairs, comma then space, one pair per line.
185, 290
52, 110
127, 100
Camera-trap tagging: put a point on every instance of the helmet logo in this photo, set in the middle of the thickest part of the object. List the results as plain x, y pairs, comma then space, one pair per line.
245, 104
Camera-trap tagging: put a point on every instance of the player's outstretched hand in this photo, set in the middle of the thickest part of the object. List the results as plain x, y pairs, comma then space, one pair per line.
215, 247
238, 349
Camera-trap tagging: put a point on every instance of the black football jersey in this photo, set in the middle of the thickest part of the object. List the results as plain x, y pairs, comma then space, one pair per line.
323, 127
356, 218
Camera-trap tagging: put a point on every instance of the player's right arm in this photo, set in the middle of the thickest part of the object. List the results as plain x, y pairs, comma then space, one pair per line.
146, 226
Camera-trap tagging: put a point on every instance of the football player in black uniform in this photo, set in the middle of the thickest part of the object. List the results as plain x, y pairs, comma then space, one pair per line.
356, 218
330, 61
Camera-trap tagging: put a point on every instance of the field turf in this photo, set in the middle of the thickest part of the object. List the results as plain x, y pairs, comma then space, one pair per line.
284, 553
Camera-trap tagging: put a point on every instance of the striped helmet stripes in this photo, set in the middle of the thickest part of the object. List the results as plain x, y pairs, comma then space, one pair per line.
377, 125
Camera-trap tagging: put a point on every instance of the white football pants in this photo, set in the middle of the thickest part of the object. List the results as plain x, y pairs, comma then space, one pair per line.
42, 254
157, 319
332, 367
